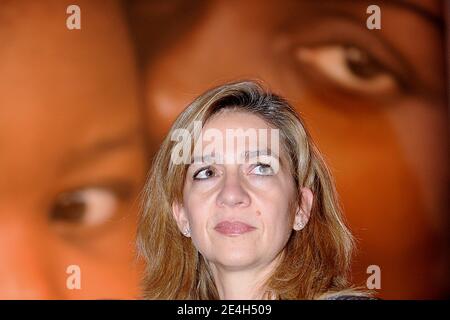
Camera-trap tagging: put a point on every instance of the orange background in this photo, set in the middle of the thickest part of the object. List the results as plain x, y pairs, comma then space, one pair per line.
82, 112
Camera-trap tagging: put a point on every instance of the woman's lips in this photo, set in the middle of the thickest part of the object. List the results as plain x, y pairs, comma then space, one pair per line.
234, 228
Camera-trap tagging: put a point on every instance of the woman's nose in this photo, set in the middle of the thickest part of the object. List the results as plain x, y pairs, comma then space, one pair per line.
233, 194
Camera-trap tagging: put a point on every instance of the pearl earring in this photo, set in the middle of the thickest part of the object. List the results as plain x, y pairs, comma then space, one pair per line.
299, 226
186, 232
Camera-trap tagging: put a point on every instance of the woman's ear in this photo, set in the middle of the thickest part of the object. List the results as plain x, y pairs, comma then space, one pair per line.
303, 211
179, 214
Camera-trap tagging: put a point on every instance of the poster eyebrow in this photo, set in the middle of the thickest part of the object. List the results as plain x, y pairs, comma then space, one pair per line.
434, 19
101, 148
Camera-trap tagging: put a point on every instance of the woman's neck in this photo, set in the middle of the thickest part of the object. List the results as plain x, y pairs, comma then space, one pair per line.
246, 284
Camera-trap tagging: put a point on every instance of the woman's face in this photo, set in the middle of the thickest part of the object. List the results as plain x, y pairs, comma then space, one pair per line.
238, 212
374, 101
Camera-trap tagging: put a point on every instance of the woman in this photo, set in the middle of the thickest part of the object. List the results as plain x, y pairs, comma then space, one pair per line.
267, 227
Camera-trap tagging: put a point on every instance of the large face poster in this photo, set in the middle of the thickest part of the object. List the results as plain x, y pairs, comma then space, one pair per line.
89, 91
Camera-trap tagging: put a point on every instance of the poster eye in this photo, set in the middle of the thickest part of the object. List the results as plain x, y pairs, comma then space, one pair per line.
349, 67
89, 206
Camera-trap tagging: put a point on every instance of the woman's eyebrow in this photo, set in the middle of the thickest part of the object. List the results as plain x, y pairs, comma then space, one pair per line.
208, 158
202, 159
257, 153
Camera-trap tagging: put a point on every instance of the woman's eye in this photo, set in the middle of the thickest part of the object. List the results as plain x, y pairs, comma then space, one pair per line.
262, 169
350, 67
204, 173
87, 207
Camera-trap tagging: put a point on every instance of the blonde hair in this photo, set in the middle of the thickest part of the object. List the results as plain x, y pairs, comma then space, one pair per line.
315, 261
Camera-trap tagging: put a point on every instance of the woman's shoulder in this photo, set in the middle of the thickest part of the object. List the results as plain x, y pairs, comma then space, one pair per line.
350, 294
351, 297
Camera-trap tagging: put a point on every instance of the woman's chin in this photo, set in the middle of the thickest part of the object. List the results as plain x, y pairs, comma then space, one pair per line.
235, 261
